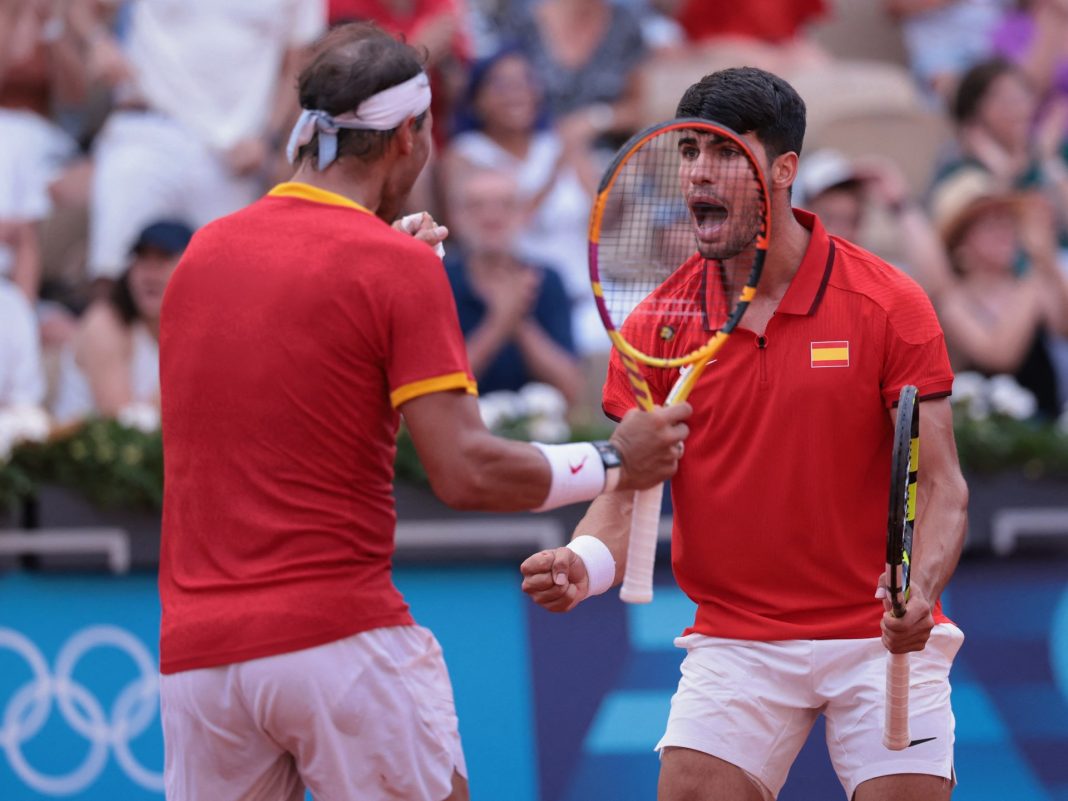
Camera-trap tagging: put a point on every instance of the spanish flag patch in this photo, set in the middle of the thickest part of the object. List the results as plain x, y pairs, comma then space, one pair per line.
830, 354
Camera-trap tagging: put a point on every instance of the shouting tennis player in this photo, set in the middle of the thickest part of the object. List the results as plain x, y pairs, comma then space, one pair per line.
780, 502
294, 333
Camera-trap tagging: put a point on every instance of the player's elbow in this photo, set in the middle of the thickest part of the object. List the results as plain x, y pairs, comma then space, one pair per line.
464, 481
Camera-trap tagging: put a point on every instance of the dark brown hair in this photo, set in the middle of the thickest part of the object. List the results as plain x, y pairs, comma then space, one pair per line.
348, 65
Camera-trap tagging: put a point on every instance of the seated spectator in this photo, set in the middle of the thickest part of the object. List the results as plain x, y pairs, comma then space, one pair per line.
204, 95
503, 125
761, 33
39, 69
21, 377
113, 361
436, 26
586, 54
946, 38
847, 193
515, 315
1008, 294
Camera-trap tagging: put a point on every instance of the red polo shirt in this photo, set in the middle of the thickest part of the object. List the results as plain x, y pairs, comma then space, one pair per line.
291, 333
780, 502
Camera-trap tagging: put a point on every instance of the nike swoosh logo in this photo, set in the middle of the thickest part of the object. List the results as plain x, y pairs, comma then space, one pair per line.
575, 468
687, 367
918, 742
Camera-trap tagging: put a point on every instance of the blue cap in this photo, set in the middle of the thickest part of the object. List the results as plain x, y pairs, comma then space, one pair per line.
168, 236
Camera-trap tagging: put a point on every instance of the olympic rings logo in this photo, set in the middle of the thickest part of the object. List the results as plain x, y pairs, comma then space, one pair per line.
30, 706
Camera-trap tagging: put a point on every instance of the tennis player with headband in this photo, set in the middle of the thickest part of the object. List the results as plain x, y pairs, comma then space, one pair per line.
294, 335
780, 502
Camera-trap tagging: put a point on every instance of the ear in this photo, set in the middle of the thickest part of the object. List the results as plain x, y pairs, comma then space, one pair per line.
404, 139
783, 172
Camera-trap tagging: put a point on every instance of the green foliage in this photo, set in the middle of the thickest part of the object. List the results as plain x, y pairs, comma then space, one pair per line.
117, 467
108, 464
999, 443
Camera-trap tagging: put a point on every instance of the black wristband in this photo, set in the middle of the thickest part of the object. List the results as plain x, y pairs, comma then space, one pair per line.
609, 454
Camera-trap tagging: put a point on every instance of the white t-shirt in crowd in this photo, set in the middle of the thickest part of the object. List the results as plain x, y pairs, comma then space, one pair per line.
213, 65
21, 376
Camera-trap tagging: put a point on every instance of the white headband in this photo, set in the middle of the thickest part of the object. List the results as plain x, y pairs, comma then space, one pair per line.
380, 112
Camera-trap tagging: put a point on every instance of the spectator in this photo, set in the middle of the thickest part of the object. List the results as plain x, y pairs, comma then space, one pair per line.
435, 26
945, 38
587, 54
763, 33
113, 362
514, 315
39, 69
847, 193
998, 313
203, 94
1035, 36
21, 377
503, 124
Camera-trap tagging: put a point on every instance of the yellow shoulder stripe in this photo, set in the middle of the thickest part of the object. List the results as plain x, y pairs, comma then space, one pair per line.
440, 383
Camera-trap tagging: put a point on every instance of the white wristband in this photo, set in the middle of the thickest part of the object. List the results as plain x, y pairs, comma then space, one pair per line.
600, 564
577, 473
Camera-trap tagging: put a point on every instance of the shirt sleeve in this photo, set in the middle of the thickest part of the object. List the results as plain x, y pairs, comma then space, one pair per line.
21, 376
425, 350
308, 22
915, 351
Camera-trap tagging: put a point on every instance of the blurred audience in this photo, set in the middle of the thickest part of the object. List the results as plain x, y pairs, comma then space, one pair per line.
852, 195
1008, 294
113, 361
40, 73
587, 54
514, 314
503, 124
438, 27
945, 38
769, 34
21, 377
203, 96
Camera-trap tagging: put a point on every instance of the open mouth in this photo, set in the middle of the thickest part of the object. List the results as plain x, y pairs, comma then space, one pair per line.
709, 215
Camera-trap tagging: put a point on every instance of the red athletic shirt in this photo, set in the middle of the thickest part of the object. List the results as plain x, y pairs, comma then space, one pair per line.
780, 502
291, 332
767, 20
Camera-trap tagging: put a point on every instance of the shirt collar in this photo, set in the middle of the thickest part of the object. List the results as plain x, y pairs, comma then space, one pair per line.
315, 194
808, 284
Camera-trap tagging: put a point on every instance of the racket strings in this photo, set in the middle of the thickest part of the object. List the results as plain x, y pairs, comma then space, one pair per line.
676, 243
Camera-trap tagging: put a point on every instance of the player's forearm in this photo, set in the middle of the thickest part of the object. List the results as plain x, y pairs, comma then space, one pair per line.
492, 474
608, 519
940, 531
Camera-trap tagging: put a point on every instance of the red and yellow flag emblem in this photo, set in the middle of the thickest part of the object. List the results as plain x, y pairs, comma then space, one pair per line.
830, 354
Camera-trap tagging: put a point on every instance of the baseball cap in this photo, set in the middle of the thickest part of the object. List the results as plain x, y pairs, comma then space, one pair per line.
167, 236
820, 171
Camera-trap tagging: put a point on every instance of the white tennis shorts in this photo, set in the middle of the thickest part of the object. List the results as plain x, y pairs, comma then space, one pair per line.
370, 717
753, 704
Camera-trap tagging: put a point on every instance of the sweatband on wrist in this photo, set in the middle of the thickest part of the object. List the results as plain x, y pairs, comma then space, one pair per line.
600, 564
577, 473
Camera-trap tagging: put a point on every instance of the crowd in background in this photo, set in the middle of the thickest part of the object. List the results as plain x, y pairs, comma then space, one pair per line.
127, 124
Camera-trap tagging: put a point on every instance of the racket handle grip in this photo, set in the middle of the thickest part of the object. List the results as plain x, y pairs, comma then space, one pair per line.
896, 735
641, 549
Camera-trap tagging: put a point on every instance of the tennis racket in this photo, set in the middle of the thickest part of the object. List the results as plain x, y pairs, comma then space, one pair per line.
899, 532
678, 236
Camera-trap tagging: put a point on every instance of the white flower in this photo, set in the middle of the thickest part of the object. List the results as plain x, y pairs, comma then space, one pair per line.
543, 400
498, 408
548, 429
143, 417
968, 386
1009, 398
22, 423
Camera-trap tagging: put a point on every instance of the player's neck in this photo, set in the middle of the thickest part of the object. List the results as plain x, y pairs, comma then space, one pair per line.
365, 189
789, 241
